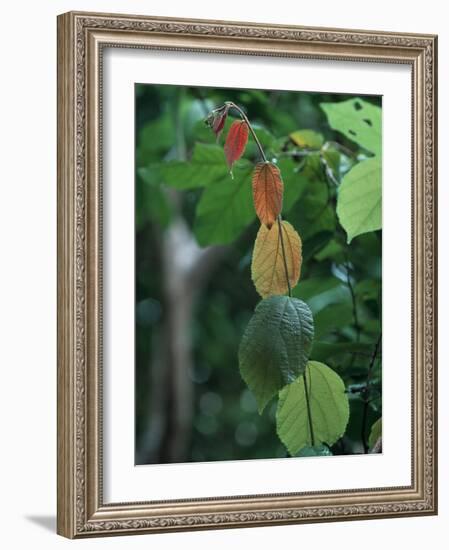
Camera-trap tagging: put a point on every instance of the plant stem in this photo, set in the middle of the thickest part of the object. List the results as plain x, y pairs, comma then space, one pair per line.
309, 412
251, 129
284, 257
366, 396
354, 303
232, 105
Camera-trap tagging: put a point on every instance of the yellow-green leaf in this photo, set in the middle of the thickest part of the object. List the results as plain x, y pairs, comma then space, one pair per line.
359, 203
328, 408
268, 269
307, 138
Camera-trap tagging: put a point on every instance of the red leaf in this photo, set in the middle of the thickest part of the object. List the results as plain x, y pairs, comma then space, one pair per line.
267, 192
236, 141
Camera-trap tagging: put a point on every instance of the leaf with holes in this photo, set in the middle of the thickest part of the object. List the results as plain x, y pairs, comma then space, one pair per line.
268, 269
267, 192
236, 141
275, 346
359, 203
328, 404
358, 120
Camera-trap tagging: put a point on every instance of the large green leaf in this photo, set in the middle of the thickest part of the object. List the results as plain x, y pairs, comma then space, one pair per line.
225, 209
275, 346
358, 120
206, 166
359, 205
329, 409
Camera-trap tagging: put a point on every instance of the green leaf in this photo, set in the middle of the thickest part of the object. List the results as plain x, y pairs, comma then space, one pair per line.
333, 250
318, 450
320, 292
309, 288
295, 182
333, 318
358, 120
151, 201
225, 209
323, 351
155, 139
313, 213
275, 346
375, 433
329, 409
307, 139
359, 204
368, 289
206, 166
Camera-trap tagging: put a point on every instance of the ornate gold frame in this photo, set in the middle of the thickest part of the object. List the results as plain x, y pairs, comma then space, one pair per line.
81, 39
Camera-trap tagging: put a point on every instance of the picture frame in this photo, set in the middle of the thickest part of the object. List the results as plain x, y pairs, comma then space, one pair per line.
82, 40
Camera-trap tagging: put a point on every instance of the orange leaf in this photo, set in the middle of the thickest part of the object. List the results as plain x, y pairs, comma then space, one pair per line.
236, 141
268, 267
267, 192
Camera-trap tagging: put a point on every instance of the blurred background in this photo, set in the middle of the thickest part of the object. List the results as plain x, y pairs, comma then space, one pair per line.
194, 300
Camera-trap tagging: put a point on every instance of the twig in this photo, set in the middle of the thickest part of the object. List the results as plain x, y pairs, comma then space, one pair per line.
284, 257
366, 393
354, 303
251, 129
309, 412
232, 105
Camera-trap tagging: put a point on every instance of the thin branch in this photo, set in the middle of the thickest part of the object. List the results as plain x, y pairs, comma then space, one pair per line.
284, 257
309, 412
232, 105
339, 147
354, 303
251, 129
367, 391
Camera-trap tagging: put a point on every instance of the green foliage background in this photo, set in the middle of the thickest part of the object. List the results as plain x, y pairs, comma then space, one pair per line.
340, 280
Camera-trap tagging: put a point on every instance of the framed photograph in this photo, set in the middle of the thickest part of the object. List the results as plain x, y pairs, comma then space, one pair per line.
246, 274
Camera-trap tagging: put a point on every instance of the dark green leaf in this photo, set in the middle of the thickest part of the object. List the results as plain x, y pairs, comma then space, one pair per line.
324, 351
333, 318
275, 346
